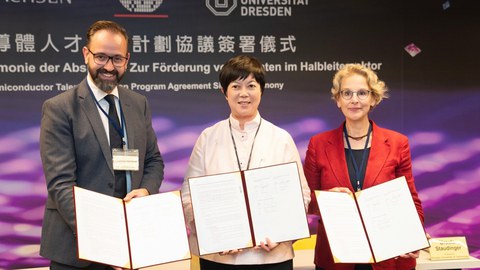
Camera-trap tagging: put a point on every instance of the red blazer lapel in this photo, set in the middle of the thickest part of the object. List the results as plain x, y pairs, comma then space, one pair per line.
335, 153
379, 152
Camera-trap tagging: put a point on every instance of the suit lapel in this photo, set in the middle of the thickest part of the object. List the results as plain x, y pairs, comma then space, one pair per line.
335, 152
379, 152
90, 109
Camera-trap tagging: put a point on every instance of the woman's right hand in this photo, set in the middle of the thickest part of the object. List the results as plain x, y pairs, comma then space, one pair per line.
229, 252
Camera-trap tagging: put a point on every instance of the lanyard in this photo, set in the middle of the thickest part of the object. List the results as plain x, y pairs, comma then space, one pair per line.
119, 129
235, 145
358, 170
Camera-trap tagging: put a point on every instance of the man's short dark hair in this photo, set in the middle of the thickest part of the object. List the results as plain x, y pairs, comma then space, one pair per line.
106, 25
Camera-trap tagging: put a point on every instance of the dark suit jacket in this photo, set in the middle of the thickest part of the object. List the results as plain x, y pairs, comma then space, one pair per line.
75, 152
326, 167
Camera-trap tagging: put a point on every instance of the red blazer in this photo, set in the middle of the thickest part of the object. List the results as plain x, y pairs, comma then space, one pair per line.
326, 167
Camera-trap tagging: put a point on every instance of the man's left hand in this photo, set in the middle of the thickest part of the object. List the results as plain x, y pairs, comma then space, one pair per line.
136, 193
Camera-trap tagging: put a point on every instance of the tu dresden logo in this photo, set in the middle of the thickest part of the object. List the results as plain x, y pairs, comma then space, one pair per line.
221, 7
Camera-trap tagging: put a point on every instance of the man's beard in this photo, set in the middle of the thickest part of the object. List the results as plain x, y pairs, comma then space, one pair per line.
105, 85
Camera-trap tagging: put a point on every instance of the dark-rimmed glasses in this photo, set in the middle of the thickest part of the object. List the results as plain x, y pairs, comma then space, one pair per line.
362, 94
102, 59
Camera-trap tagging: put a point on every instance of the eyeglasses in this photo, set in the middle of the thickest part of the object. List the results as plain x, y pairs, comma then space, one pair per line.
102, 59
362, 94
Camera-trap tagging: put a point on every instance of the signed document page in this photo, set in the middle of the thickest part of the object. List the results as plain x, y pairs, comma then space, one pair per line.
276, 203
143, 232
372, 225
101, 228
220, 211
391, 219
345, 232
157, 229
240, 209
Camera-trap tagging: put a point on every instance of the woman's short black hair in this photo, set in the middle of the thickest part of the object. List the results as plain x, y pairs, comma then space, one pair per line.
240, 67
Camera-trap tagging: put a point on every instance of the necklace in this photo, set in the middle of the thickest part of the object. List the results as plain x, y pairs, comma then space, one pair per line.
358, 138
235, 145
359, 170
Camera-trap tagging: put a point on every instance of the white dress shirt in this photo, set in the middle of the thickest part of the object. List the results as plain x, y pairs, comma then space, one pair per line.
214, 153
100, 97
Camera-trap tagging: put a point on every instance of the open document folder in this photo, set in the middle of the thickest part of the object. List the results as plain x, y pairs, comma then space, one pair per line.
143, 232
240, 209
372, 225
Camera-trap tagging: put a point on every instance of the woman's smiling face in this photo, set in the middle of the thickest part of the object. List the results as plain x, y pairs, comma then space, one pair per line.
355, 109
244, 97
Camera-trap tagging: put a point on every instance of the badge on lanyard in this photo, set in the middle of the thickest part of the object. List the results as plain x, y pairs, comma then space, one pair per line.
125, 159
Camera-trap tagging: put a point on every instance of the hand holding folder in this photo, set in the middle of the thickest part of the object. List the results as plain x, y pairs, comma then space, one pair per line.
240, 209
142, 232
373, 224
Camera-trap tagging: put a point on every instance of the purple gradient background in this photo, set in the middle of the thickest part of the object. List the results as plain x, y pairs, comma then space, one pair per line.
445, 167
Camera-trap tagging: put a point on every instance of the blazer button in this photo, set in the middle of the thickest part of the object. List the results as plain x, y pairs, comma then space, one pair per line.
110, 185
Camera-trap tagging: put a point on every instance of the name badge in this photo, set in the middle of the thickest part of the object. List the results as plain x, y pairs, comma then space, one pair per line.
125, 159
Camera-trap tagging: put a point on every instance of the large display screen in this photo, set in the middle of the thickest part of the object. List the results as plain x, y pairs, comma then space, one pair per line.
177, 48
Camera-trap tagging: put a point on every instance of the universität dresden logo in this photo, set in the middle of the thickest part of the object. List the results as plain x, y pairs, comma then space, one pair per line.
221, 7
141, 5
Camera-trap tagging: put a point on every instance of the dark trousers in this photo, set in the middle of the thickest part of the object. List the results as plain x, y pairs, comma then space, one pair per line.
209, 265
92, 266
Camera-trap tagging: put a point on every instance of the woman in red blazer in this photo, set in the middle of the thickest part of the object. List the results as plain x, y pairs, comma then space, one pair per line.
357, 155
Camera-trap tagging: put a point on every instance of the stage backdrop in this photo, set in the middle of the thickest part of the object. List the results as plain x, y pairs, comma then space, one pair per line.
177, 48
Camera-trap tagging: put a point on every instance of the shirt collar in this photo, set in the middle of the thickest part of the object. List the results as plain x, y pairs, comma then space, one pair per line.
97, 92
249, 126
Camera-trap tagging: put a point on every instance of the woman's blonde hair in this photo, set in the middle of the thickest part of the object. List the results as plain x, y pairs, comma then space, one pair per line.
378, 87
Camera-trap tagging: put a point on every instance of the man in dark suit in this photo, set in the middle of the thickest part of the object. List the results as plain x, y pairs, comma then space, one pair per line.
80, 130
